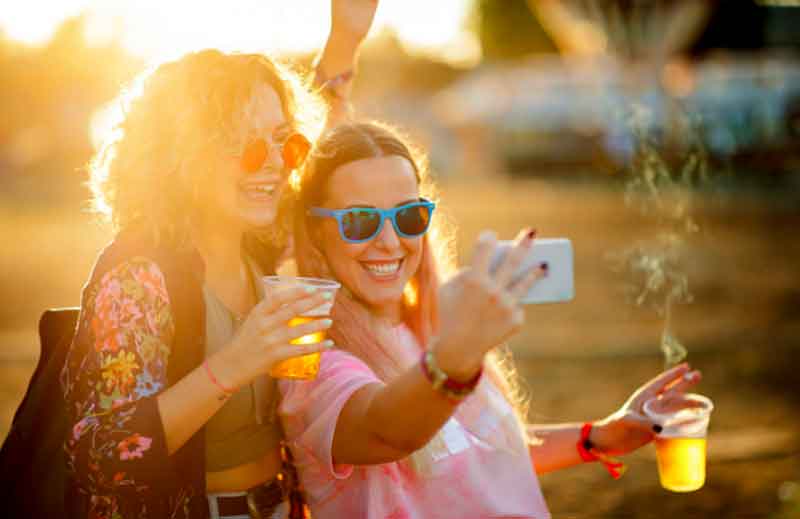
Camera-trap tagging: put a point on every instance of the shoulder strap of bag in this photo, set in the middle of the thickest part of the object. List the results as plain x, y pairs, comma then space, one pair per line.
32, 475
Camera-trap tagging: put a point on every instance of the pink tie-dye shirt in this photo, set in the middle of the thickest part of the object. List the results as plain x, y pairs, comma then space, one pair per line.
467, 478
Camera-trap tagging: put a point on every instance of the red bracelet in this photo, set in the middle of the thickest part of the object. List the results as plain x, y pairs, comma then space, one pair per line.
589, 453
227, 391
585, 444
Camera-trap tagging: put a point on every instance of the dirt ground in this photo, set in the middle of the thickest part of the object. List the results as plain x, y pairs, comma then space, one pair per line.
579, 360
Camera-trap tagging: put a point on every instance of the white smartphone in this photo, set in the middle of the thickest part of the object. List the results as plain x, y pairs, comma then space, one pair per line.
558, 285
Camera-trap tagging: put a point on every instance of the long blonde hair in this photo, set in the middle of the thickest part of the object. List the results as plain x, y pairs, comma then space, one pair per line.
351, 329
147, 168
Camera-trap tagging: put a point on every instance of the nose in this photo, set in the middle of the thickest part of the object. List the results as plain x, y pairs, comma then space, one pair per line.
273, 161
275, 157
387, 239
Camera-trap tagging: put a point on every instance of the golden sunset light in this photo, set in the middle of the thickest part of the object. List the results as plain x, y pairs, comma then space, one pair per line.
310, 259
155, 30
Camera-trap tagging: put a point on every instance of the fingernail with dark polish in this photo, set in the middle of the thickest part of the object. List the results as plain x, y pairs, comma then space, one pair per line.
544, 265
657, 428
532, 234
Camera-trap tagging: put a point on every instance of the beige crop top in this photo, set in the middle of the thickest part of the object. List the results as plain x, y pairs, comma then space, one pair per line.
246, 427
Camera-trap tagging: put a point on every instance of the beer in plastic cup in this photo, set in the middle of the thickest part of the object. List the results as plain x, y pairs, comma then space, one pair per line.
306, 366
681, 444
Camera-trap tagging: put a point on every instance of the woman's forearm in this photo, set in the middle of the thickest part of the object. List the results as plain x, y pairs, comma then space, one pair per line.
556, 447
190, 403
340, 56
384, 423
425, 411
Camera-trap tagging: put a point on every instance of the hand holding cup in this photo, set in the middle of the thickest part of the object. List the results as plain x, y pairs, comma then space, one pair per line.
265, 338
306, 366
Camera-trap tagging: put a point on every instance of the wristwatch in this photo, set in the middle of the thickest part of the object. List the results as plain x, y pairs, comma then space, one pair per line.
441, 382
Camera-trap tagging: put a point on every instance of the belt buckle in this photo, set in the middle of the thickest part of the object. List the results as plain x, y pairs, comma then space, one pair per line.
264, 500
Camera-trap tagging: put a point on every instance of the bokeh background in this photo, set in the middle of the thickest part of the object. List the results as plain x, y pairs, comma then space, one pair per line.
662, 137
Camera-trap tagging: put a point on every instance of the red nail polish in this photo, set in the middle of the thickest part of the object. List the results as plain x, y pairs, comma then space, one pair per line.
532, 234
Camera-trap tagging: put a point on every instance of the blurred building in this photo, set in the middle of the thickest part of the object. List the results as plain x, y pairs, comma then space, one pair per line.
545, 116
727, 80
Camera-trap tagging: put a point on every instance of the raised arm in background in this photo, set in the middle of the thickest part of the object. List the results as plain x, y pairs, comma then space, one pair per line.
336, 66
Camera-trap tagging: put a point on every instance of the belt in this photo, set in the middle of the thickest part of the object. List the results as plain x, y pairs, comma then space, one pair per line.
260, 502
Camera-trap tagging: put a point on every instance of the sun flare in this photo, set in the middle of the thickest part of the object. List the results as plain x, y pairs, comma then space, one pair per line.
157, 30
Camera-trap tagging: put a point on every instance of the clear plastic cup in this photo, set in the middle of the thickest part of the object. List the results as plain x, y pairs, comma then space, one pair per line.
304, 367
681, 444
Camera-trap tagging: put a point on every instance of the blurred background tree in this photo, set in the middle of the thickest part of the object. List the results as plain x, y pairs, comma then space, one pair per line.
508, 29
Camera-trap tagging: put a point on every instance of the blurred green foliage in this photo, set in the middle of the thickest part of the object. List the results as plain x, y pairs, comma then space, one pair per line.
508, 29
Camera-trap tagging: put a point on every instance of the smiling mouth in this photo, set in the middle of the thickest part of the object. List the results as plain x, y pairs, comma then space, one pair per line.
382, 269
265, 189
259, 192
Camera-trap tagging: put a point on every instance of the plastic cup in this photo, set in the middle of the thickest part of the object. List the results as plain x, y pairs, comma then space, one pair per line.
681, 444
304, 367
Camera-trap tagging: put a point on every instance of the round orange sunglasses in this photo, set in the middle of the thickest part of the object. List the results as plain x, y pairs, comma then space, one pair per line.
294, 151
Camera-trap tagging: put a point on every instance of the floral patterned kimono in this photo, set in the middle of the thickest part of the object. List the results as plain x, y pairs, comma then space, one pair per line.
140, 330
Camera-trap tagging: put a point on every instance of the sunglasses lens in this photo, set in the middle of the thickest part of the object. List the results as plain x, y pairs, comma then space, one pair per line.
254, 156
295, 150
414, 220
360, 224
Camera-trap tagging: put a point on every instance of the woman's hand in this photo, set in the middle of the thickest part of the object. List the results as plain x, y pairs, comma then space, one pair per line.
628, 428
480, 309
263, 339
352, 19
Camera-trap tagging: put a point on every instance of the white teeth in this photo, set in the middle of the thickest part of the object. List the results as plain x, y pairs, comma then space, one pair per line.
263, 189
382, 268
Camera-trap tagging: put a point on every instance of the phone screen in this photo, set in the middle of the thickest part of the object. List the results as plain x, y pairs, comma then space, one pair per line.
558, 285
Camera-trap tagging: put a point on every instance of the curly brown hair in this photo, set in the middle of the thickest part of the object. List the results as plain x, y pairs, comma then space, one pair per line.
145, 173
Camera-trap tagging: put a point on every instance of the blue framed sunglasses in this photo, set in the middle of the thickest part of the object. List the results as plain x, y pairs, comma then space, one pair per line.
360, 224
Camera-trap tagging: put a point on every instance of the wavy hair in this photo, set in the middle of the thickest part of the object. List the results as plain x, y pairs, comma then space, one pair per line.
146, 170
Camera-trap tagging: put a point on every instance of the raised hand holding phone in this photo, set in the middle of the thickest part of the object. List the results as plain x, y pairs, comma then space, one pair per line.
479, 307
556, 255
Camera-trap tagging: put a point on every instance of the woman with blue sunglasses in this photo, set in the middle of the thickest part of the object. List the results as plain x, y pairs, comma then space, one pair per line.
414, 415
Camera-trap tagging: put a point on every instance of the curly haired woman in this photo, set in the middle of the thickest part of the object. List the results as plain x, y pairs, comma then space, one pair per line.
173, 413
